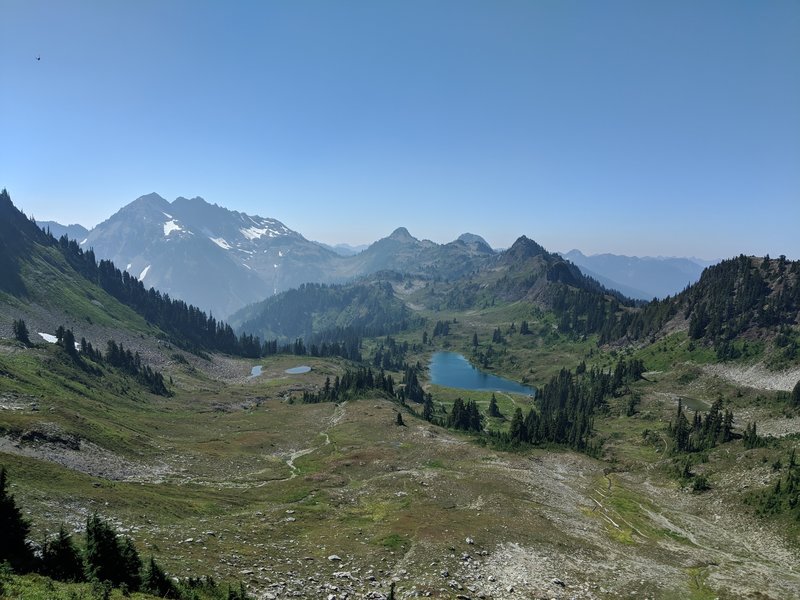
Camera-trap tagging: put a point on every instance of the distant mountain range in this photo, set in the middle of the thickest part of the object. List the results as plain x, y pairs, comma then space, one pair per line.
345, 249
222, 260
734, 304
643, 278
73, 232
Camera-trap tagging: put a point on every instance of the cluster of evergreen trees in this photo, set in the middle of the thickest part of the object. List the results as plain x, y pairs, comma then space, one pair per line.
107, 558
465, 416
566, 405
390, 355
116, 356
350, 385
412, 389
703, 433
583, 312
750, 437
733, 300
442, 328
20, 329
730, 298
354, 383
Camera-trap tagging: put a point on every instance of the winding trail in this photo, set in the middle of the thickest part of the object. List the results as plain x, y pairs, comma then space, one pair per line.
514, 402
335, 418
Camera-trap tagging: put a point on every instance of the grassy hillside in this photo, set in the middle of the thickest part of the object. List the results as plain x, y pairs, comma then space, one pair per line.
240, 480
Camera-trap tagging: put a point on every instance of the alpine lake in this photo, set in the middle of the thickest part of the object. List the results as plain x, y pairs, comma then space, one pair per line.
451, 369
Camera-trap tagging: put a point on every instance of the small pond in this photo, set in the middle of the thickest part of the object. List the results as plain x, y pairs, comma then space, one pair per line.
694, 404
454, 370
298, 370
256, 371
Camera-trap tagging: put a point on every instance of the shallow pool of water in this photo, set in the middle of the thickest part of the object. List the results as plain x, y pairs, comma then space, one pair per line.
256, 371
298, 370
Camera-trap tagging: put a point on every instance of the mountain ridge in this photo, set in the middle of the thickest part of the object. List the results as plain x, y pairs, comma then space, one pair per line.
223, 260
652, 277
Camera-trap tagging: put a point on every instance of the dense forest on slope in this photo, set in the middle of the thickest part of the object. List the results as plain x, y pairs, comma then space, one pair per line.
745, 297
314, 311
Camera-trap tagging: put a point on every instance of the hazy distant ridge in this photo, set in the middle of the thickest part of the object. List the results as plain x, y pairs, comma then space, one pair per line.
644, 277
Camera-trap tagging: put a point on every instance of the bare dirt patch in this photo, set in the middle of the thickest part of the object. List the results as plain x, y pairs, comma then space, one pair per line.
756, 376
81, 455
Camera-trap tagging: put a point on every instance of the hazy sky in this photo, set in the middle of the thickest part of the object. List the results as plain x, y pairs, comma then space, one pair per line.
660, 127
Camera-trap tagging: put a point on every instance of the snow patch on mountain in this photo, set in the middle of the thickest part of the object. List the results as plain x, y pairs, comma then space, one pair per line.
254, 233
171, 226
51, 339
84, 241
221, 243
143, 274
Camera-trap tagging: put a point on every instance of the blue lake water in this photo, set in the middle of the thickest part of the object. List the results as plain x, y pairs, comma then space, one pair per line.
454, 370
255, 371
298, 370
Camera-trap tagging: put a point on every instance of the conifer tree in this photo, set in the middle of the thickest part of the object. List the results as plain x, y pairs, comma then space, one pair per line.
156, 581
61, 559
427, 408
21, 332
517, 431
110, 559
494, 411
132, 565
13, 530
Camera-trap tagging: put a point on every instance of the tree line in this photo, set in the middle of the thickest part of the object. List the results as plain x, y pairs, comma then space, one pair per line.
566, 405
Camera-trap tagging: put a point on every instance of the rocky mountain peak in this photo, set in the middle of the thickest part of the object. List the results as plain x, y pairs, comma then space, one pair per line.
401, 235
524, 248
472, 239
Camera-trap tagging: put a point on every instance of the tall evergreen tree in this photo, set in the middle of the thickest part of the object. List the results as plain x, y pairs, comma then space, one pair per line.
427, 408
61, 559
132, 565
21, 332
494, 411
156, 581
13, 530
109, 558
517, 430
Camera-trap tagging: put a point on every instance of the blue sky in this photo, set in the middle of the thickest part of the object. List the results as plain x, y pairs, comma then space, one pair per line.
646, 128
